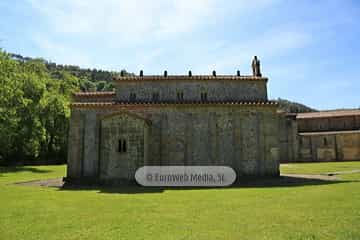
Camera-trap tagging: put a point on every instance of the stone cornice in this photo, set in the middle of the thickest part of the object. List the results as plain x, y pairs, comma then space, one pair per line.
164, 104
94, 94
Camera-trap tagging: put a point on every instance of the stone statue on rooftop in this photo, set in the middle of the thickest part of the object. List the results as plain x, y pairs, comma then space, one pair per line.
256, 67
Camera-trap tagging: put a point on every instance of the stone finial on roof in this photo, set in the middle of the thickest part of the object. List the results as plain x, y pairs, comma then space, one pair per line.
190, 74
141, 73
255, 64
214, 73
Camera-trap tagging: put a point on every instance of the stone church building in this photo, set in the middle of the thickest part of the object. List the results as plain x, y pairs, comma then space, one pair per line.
174, 120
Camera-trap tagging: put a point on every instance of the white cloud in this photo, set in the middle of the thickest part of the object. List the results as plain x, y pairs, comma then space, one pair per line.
146, 26
127, 20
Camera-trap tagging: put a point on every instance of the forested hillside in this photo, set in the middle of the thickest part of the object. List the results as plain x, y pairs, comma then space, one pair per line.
89, 79
293, 107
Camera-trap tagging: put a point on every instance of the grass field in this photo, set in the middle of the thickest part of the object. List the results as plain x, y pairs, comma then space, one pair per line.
316, 210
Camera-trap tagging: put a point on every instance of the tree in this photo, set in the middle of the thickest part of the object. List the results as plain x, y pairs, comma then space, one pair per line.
34, 110
11, 101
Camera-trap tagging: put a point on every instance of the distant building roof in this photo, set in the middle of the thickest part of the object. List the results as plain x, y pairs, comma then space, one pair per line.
326, 114
328, 132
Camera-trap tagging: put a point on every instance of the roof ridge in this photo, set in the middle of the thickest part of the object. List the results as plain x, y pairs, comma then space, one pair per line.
340, 110
187, 77
330, 113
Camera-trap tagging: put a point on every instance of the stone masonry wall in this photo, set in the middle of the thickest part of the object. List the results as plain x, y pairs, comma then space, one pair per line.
225, 90
245, 138
329, 124
75, 145
339, 146
288, 139
133, 131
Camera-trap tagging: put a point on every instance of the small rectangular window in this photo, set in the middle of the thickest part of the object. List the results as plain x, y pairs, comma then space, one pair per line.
132, 96
180, 96
122, 146
203, 96
155, 97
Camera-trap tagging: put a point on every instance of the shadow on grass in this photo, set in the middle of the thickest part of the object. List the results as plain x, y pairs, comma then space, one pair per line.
15, 169
133, 188
123, 189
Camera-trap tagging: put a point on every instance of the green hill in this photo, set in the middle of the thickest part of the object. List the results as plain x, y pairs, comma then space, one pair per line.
293, 107
90, 79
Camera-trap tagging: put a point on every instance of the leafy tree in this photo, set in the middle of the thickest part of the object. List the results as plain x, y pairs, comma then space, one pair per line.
34, 110
11, 101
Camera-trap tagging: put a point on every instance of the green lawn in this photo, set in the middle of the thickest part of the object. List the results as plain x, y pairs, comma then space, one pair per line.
310, 211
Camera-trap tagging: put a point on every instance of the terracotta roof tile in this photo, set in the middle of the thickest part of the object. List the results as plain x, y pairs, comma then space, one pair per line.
142, 104
186, 77
325, 114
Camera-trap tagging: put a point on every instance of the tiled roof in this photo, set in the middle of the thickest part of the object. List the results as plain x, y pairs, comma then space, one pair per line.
325, 114
186, 77
94, 94
161, 104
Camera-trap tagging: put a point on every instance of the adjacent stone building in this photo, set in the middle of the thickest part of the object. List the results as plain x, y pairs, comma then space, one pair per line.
320, 136
174, 120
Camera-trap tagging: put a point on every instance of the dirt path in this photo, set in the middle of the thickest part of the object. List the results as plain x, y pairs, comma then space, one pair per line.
344, 172
312, 176
52, 182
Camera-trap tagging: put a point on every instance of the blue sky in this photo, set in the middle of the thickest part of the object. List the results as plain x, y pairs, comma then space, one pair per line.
309, 49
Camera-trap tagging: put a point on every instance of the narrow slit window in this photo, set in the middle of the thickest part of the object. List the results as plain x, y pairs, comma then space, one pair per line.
203, 96
180, 96
155, 96
132, 96
122, 146
325, 142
